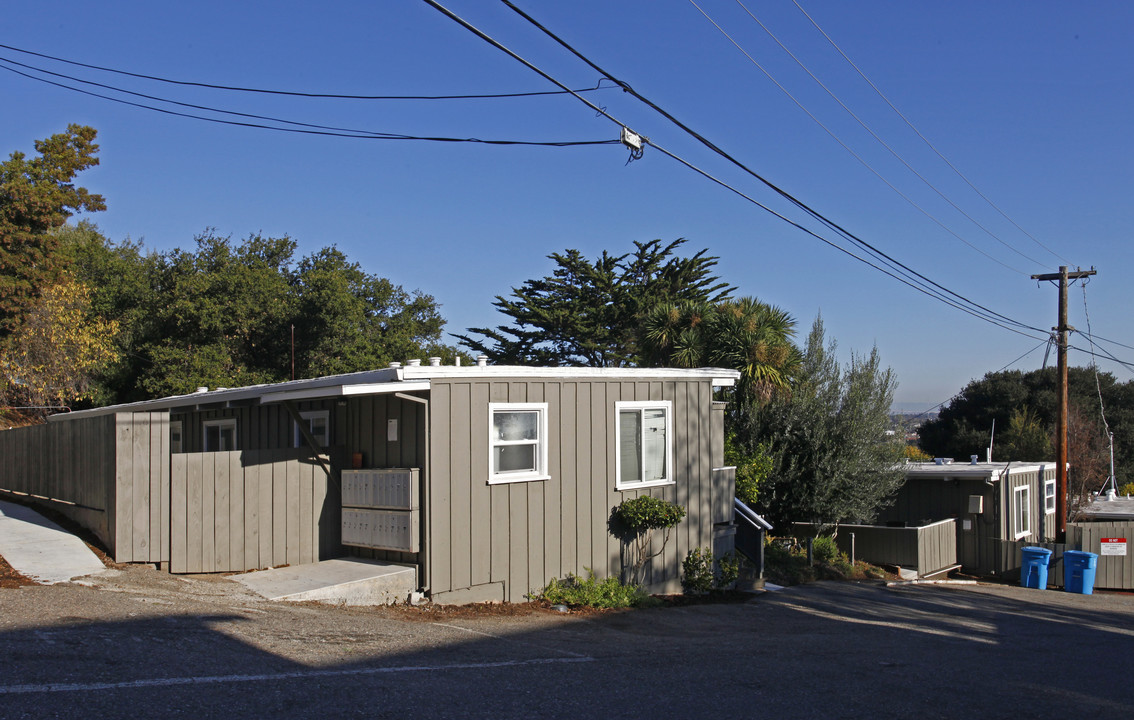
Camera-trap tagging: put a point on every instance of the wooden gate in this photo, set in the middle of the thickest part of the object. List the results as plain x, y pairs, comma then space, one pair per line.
246, 510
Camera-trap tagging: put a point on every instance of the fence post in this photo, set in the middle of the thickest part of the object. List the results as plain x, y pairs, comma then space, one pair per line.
810, 551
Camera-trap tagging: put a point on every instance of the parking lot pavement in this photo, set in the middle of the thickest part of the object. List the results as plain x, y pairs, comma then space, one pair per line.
151, 644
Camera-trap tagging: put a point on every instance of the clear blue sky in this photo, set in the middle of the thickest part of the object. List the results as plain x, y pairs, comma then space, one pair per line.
1031, 101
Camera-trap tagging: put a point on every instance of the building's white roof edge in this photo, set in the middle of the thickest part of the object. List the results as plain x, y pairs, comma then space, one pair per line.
397, 379
720, 376
967, 469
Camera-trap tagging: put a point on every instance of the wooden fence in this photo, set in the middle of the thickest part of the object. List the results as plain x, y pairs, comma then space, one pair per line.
245, 510
927, 549
106, 473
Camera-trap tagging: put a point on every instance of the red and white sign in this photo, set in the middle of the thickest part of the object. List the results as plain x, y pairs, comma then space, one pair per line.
1112, 546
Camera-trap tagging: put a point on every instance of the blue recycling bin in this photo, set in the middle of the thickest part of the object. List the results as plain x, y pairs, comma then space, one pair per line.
1033, 568
1079, 571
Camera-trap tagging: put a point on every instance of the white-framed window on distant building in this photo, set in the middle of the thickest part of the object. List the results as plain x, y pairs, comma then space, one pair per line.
1021, 511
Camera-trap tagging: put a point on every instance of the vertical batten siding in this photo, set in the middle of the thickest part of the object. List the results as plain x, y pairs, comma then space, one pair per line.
519, 535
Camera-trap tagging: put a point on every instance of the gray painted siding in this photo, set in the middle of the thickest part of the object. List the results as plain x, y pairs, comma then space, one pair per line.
519, 535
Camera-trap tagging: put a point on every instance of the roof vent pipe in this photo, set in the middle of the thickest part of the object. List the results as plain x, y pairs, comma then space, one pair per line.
481, 360
973, 459
202, 389
457, 361
414, 363
434, 361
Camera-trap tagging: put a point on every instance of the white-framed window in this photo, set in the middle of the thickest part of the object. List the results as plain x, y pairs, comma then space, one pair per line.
220, 435
644, 455
319, 423
1021, 511
176, 436
1049, 497
517, 443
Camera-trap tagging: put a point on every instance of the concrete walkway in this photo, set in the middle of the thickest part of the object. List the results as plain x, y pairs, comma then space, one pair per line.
41, 550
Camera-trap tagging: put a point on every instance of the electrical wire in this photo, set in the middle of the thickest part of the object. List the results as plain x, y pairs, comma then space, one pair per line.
924, 138
293, 93
883, 257
301, 128
957, 395
1094, 365
873, 134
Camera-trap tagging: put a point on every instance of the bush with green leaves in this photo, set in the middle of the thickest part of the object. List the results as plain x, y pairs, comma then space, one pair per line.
638, 519
824, 550
699, 575
575, 591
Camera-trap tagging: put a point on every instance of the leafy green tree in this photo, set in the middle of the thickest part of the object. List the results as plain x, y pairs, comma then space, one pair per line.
220, 316
753, 468
1025, 438
121, 278
746, 335
964, 426
588, 313
348, 320
37, 196
832, 458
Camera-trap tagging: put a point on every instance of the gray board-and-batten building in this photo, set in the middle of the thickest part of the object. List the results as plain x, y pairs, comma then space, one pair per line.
489, 480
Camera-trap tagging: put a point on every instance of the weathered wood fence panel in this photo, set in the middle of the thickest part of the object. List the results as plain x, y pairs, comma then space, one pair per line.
927, 549
245, 510
101, 472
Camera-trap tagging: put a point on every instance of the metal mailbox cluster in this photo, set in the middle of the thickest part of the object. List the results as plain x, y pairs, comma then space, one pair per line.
381, 509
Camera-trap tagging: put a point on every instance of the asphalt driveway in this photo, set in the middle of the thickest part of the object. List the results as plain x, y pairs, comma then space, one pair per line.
148, 644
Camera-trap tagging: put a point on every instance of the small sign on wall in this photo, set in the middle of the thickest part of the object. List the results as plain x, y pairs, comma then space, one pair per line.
392, 430
1112, 546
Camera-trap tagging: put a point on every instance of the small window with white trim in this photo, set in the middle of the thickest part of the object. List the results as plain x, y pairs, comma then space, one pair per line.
517, 442
645, 444
220, 435
1049, 497
318, 422
1021, 512
175, 436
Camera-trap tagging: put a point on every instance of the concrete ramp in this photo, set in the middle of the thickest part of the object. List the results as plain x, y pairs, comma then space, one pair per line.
343, 581
41, 550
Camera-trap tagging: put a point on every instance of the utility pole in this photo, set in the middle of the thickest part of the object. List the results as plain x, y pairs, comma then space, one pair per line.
1061, 421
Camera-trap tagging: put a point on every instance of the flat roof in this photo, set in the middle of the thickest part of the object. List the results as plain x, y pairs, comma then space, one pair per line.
408, 378
992, 471
1120, 508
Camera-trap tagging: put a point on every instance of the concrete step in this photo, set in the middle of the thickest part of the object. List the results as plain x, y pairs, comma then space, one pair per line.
342, 581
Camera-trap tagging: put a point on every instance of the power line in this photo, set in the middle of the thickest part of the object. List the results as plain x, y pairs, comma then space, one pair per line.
603, 112
301, 128
294, 93
839, 140
707, 143
924, 138
874, 135
957, 395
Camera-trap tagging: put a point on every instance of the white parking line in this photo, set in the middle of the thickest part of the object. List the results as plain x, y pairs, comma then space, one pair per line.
272, 677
